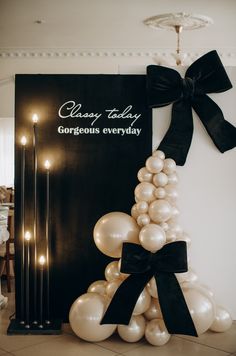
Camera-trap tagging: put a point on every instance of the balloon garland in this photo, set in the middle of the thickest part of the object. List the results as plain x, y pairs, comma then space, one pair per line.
153, 224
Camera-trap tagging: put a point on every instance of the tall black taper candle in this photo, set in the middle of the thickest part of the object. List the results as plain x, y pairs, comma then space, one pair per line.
22, 302
35, 158
47, 166
27, 268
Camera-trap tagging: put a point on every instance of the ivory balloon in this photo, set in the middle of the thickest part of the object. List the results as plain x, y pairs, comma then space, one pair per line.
160, 211
154, 311
85, 316
112, 271
143, 303
201, 309
156, 333
144, 175
98, 287
160, 179
160, 193
134, 331
145, 191
142, 207
189, 276
164, 226
152, 237
143, 219
175, 228
112, 287
171, 193
169, 166
112, 230
154, 164
222, 321
152, 288
173, 178
159, 154
134, 211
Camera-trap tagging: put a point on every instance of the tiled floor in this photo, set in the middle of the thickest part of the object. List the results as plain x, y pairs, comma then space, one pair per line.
67, 344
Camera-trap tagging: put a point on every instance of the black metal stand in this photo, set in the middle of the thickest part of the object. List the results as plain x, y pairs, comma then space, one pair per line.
17, 328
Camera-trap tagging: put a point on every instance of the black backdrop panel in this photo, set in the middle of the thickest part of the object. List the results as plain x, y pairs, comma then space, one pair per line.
94, 167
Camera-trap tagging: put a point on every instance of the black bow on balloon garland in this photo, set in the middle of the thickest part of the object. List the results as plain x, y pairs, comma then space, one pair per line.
142, 265
165, 86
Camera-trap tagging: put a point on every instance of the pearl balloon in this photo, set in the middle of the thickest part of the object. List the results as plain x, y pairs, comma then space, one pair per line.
85, 316
112, 287
112, 230
175, 228
171, 193
112, 271
160, 179
189, 276
98, 287
152, 288
156, 333
143, 219
201, 309
143, 303
134, 331
160, 211
154, 311
160, 193
164, 226
170, 236
145, 191
172, 179
169, 166
175, 212
134, 211
159, 154
152, 237
142, 207
154, 164
222, 321
144, 175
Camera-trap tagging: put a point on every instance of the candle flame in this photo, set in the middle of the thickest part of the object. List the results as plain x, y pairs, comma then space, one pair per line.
27, 236
47, 164
42, 260
35, 118
23, 140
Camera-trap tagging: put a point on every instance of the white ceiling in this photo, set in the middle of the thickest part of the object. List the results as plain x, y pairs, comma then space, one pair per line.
111, 24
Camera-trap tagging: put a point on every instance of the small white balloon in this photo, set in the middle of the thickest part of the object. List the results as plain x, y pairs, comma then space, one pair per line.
222, 321
169, 166
143, 303
160, 193
170, 236
112, 271
112, 287
98, 287
85, 316
175, 212
144, 175
171, 193
152, 288
152, 237
142, 207
145, 191
154, 311
134, 211
173, 178
154, 164
160, 179
143, 220
164, 226
160, 211
134, 331
159, 154
175, 228
156, 333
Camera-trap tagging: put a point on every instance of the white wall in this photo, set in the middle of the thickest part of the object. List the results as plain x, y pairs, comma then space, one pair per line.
207, 181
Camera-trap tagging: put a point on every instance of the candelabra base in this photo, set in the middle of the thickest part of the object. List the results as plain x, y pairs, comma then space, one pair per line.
17, 328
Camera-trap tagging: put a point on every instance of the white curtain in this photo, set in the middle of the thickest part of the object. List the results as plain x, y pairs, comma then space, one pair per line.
7, 151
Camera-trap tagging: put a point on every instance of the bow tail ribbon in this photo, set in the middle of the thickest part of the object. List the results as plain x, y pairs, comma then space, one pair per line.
171, 300
222, 133
177, 140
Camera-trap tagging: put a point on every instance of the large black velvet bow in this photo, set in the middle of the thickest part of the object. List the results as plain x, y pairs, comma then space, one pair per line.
142, 265
165, 86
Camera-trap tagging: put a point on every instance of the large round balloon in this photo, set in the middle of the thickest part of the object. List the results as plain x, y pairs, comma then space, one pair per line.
112, 230
156, 333
134, 331
152, 237
85, 316
160, 211
201, 309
